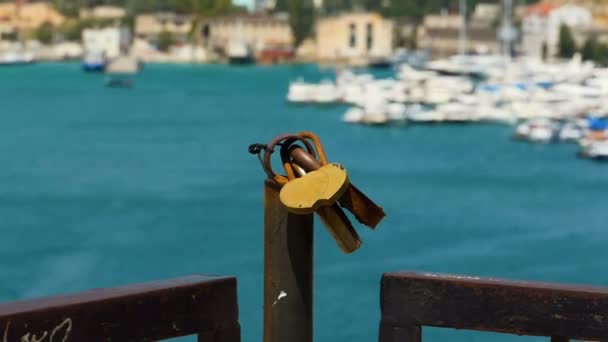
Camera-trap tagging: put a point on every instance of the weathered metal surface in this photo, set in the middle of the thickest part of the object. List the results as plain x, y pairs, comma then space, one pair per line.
288, 276
355, 201
340, 228
147, 312
393, 333
410, 300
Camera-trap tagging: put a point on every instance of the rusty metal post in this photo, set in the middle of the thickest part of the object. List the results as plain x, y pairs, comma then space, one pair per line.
288, 271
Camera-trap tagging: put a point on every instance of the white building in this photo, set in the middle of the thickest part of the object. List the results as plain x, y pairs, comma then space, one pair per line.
354, 36
111, 41
542, 22
258, 31
103, 13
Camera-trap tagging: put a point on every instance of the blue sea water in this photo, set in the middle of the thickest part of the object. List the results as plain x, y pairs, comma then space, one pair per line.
103, 187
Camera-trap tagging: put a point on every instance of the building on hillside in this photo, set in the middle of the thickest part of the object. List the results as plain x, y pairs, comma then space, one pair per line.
149, 26
260, 32
486, 15
27, 17
351, 36
103, 13
440, 34
110, 41
542, 22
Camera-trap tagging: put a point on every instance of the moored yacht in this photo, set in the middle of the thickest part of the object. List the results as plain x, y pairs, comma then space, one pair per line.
94, 61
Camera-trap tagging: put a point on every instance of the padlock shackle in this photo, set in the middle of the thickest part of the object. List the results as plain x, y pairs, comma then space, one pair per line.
304, 159
286, 139
318, 146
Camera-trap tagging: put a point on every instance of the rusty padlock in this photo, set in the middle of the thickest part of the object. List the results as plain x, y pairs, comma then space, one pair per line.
312, 184
353, 199
318, 191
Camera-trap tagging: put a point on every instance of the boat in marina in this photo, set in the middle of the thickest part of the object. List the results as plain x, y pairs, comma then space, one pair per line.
94, 61
301, 92
455, 112
240, 53
14, 58
326, 93
120, 72
537, 130
597, 150
548, 100
571, 132
353, 115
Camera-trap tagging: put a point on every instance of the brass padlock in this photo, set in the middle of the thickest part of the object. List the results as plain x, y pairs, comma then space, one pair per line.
353, 199
318, 191
320, 188
312, 184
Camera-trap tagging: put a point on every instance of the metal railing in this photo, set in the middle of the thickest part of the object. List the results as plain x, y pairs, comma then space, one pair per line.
410, 301
194, 305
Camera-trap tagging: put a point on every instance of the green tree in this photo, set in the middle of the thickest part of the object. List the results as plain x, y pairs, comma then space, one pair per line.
69, 8
10, 36
590, 49
70, 30
165, 41
301, 19
566, 45
45, 33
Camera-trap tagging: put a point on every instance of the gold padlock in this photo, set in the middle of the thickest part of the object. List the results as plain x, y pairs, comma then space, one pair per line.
364, 209
337, 223
316, 189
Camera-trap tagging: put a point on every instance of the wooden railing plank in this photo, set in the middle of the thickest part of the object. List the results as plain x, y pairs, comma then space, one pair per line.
522, 308
145, 312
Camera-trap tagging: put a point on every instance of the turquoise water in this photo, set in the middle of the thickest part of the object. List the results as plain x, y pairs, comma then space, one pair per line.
103, 187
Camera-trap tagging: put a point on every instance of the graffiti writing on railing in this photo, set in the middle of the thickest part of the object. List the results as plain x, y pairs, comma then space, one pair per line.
60, 333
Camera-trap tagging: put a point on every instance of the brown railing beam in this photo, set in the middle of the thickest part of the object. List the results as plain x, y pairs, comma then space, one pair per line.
515, 307
288, 266
393, 332
196, 305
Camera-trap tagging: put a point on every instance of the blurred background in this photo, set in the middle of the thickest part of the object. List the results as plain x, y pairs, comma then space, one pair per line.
479, 126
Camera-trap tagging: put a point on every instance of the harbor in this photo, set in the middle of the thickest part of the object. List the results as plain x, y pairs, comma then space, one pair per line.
544, 103
303, 170
105, 179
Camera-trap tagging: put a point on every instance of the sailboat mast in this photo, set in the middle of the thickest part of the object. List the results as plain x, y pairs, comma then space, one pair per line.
507, 28
462, 41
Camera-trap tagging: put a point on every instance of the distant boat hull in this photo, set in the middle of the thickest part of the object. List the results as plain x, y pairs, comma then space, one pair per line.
380, 64
244, 60
94, 67
15, 63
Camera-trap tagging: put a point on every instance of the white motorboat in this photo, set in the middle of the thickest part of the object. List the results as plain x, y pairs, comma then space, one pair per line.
353, 115
571, 132
375, 112
352, 94
301, 92
326, 93
596, 150
425, 116
458, 112
240, 53
396, 112
13, 58
540, 130
94, 61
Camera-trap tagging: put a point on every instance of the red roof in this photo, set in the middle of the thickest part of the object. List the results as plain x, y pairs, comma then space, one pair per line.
542, 9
